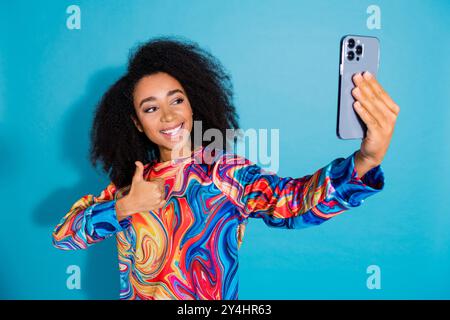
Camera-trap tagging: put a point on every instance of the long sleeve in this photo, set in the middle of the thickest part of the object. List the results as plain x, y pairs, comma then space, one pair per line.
91, 219
294, 202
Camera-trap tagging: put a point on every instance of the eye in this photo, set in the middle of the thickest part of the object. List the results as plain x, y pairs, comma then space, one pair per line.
180, 100
150, 110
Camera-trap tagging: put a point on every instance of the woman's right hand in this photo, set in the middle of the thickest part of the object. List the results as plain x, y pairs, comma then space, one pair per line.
143, 196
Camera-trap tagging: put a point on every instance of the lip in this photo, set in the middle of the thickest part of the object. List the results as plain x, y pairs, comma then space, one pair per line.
179, 126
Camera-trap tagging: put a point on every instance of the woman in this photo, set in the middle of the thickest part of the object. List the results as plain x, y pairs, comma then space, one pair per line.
179, 219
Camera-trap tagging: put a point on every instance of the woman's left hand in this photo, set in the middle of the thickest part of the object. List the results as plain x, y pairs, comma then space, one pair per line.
379, 112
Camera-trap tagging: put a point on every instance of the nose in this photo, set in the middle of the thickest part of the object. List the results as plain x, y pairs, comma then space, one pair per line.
167, 114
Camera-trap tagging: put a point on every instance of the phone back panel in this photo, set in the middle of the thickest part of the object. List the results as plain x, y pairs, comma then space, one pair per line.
349, 124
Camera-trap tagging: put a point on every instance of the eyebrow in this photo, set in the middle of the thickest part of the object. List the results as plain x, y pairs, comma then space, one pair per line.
169, 93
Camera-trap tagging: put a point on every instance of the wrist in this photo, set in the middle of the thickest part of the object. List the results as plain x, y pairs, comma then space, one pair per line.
123, 207
363, 165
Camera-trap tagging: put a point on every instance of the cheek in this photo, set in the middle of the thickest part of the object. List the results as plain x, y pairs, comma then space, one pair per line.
187, 113
149, 125
190, 121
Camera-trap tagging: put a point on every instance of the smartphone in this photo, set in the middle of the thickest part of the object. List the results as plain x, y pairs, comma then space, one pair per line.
358, 54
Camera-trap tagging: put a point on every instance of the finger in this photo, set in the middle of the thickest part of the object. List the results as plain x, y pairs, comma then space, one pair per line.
162, 203
139, 172
368, 119
381, 93
160, 184
357, 79
163, 191
378, 107
373, 104
364, 93
369, 104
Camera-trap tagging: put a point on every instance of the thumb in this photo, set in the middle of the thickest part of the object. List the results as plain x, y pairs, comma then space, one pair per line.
139, 173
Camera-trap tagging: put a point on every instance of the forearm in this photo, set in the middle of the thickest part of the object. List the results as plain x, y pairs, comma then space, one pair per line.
84, 226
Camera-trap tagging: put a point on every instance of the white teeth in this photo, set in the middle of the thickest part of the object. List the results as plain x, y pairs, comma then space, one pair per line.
172, 131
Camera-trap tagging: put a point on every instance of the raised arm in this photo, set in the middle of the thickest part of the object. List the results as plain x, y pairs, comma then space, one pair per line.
294, 202
91, 219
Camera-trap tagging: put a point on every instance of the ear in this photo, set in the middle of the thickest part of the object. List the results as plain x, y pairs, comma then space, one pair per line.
137, 124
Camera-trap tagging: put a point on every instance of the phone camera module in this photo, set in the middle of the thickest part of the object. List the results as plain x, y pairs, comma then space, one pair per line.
359, 49
350, 55
351, 43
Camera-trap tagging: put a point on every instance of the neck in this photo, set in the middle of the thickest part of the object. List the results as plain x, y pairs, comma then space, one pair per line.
166, 154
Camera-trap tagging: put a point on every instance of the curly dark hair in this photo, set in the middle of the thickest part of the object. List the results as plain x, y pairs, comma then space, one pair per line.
115, 141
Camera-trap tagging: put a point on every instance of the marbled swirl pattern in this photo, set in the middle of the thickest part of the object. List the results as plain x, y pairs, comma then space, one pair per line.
189, 248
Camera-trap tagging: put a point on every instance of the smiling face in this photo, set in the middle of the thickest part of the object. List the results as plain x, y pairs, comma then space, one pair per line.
164, 114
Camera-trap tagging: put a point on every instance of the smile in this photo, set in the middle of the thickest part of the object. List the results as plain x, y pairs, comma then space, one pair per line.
172, 131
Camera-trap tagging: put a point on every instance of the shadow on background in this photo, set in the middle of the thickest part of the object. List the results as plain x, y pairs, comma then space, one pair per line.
100, 276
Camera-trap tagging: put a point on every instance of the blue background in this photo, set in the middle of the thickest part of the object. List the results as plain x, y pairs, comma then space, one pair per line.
283, 58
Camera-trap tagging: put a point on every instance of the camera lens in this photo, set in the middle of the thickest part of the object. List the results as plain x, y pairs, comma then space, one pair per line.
350, 55
351, 43
358, 49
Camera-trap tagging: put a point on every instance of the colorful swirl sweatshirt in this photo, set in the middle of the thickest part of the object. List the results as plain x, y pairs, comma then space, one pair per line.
188, 249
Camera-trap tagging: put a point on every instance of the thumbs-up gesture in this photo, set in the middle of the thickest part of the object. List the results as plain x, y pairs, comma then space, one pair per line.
143, 196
